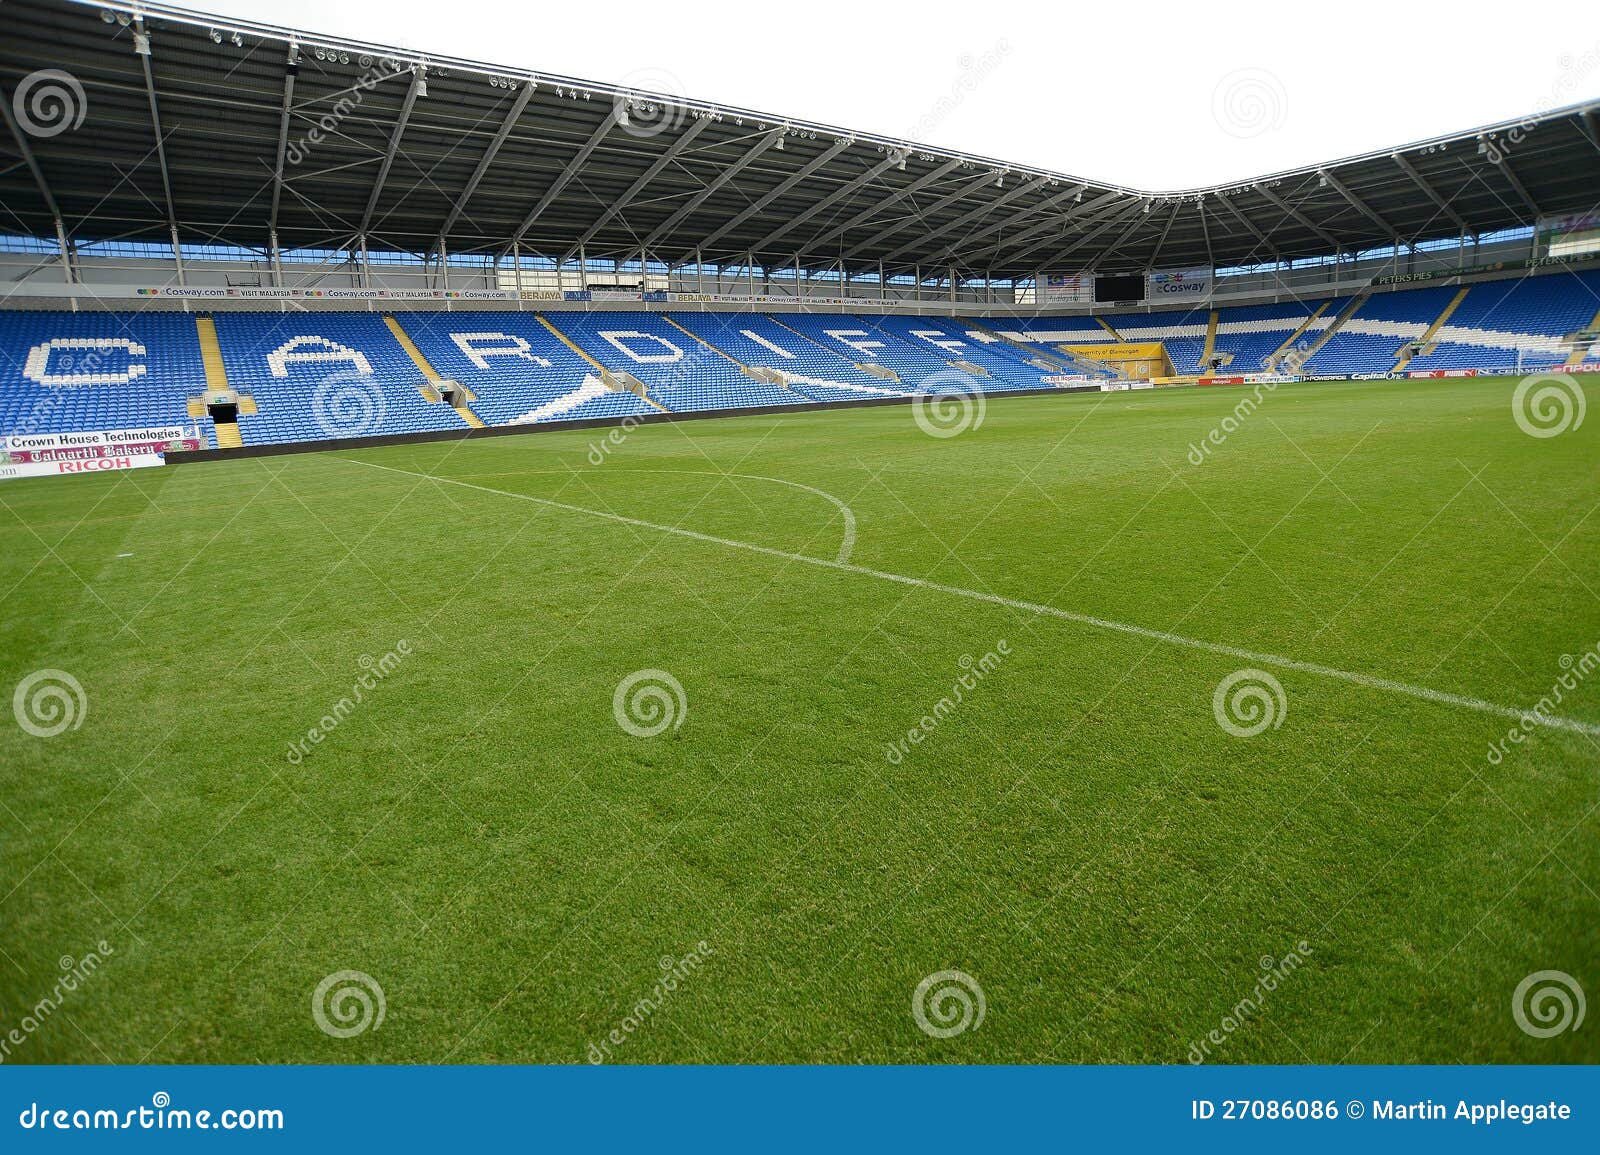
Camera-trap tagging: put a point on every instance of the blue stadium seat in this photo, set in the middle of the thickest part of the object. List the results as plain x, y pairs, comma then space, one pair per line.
316, 376
72, 372
521, 372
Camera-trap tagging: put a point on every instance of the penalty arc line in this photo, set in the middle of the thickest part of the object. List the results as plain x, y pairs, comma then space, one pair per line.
1369, 681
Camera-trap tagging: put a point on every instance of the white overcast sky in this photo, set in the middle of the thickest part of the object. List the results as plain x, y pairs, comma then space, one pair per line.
1155, 94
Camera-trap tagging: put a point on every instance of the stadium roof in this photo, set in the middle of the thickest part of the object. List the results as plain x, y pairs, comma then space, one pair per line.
202, 126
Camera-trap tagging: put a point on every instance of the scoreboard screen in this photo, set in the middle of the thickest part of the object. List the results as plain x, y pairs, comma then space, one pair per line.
1109, 289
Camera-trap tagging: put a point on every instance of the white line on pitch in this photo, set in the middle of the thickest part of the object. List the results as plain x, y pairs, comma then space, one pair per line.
1425, 693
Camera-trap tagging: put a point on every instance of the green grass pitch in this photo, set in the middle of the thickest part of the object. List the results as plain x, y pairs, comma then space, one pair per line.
1078, 834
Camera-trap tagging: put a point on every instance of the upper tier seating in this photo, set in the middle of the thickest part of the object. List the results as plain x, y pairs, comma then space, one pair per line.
1049, 331
1183, 332
1248, 334
73, 372
1371, 339
1503, 324
519, 370
324, 375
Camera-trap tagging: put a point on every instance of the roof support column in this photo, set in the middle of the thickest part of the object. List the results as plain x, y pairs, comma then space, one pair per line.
66, 253
291, 70
66, 258
177, 254
418, 86
366, 272
276, 259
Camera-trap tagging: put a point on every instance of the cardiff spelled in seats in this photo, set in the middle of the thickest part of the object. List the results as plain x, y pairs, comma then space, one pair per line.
316, 376
321, 375
681, 373
520, 371
73, 372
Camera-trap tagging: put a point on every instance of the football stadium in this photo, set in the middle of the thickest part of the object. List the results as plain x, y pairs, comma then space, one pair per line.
507, 569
